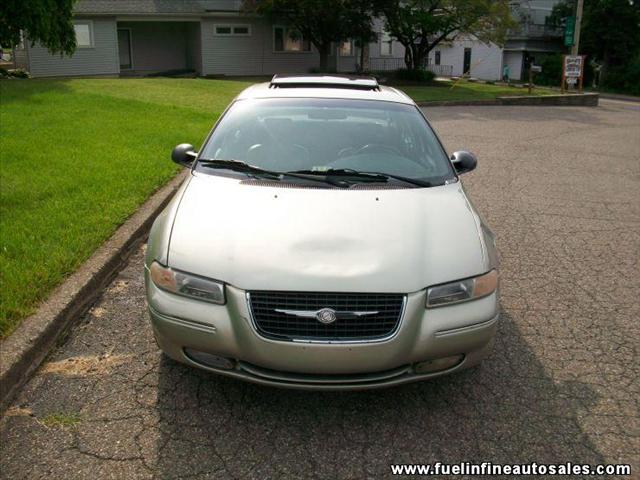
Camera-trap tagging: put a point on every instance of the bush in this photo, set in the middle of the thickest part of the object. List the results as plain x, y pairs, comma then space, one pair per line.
15, 73
417, 75
551, 74
625, 78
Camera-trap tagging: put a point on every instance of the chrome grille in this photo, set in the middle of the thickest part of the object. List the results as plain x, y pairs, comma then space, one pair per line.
360, 316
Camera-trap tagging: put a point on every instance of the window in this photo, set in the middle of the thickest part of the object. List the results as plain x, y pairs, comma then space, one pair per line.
346, 48
386, 44
226, 30
289, 40
84, 34
241, 30
320, 133
437, 57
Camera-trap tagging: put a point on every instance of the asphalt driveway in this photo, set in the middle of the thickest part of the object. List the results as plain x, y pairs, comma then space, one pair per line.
561, 189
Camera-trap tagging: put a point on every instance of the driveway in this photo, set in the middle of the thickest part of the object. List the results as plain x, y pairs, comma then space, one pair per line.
561, 189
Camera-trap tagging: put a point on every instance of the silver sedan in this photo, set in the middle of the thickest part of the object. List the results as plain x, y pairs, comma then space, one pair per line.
323, 240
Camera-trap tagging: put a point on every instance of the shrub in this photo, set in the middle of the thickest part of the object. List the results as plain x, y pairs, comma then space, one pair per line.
417, 75
551, 74
625, 78
551, 71
18, 73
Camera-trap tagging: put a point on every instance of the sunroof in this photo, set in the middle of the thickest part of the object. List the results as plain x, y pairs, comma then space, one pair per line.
326, 81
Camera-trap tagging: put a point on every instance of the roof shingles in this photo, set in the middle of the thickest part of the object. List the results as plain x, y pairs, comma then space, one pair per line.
152, 7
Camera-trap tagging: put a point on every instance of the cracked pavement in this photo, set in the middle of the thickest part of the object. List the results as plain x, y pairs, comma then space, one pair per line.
561, 189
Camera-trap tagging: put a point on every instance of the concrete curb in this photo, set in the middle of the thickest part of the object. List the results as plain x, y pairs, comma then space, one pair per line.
573, 100
25, 349
458, 103
584, 100
619, 97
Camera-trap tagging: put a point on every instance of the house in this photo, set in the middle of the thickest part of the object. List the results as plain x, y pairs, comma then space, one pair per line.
528, 42
533, 38
207, 37
467, 55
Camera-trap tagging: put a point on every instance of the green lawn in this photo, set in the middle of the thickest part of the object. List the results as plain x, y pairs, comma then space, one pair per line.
78, 156
76, 159
464, 90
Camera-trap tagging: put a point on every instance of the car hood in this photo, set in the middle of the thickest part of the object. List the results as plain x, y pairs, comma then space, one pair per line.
265, 237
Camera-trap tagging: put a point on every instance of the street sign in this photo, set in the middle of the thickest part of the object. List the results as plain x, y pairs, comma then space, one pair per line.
573, 66
569, 31
536, 68
572, 71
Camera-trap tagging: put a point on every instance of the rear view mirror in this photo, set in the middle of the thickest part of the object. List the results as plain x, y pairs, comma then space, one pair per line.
184, 154
464, 161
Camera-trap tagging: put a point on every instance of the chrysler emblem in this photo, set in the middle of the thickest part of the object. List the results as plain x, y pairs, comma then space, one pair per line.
326, 316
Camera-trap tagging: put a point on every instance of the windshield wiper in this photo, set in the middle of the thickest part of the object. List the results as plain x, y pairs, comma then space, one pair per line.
371, 176
244, 167
238, 166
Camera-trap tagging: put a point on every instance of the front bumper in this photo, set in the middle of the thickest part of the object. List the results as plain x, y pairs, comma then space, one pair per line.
228, 331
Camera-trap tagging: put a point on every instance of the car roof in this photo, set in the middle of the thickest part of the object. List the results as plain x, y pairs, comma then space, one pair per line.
325, 86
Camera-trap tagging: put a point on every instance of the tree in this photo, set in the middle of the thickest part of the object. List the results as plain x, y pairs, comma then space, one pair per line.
47, 22
420, 25
610, 33
322, 22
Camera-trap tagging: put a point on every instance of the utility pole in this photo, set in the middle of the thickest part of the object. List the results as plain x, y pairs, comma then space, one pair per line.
576, 35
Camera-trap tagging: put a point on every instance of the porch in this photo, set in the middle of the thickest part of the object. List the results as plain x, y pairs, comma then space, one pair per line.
154, 47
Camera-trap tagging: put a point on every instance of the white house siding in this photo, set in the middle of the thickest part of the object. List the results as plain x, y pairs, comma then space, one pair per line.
349, 64
101, 59
377, 60
514, 60
486, 59
159, 46
21, 57
249, 55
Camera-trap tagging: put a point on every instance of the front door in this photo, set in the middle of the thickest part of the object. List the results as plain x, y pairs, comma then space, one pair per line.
124, 48
466, 66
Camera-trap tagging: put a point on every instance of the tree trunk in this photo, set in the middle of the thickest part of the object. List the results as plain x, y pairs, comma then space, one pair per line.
420, 58
409, 56
364, 57
324, 50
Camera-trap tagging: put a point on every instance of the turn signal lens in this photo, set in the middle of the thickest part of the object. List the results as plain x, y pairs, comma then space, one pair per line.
462, 290
485, 284
163, 277
186, 284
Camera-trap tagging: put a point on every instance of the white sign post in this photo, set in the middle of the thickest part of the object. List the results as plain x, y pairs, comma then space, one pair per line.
572, 70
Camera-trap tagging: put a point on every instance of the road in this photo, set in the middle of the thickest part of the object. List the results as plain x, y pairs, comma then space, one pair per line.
561, 189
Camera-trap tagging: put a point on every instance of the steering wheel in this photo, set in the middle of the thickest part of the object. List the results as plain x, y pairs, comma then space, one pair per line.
380, 148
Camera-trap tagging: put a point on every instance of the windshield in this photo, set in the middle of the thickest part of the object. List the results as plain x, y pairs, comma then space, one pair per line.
320, 135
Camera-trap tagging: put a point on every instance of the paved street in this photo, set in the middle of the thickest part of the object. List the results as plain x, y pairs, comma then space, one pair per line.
561, 189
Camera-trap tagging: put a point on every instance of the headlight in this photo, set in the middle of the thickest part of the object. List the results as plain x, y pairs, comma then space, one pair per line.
462, 290
186, 284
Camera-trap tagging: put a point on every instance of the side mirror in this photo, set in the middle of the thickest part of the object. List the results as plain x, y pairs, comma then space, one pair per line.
184, 154
464, 161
